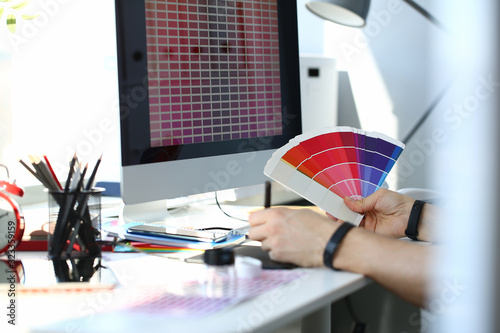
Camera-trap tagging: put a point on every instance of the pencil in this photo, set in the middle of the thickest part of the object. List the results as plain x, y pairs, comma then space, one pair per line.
49, 166
33, 172
46, 173
61, 230
70, 173
39, 172
54, 248
87, 232
90, 182
69, 218
81, 210
77, 177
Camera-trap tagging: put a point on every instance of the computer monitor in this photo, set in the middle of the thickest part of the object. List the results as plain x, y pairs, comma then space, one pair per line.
208, 90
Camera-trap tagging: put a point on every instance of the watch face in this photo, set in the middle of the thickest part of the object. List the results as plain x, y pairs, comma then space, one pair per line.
11, 224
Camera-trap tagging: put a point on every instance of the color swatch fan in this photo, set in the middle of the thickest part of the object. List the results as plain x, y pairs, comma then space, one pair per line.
326, 165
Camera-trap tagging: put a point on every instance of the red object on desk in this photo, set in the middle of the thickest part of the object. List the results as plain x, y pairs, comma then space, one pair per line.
32, 245
11, 188
41, 245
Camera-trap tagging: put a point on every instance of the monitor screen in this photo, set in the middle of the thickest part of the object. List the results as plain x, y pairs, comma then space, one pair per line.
208, 90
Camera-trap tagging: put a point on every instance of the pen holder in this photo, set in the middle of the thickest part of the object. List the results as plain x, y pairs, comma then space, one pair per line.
84, 269
74, 223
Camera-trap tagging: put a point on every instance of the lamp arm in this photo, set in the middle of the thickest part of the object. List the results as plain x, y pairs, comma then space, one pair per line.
440, 95
427, 112
425, 14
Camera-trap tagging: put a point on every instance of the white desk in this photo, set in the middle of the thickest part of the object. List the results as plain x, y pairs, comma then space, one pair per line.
308, 298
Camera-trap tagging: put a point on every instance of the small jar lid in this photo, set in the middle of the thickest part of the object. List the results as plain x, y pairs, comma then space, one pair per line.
219, 257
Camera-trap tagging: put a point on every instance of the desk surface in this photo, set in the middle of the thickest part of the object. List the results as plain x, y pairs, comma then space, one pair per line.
95, 312
77, 312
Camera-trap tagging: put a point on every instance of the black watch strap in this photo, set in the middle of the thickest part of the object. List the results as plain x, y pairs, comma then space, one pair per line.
334, 242
412, 228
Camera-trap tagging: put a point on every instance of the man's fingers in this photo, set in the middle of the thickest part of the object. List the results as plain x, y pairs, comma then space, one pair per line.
332, 217
258, 232
265, 246
258, 217
266, 223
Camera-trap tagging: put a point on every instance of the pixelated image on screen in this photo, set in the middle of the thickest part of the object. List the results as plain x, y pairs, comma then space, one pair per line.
213, 70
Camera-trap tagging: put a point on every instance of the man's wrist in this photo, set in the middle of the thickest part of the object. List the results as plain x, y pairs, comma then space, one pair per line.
350, 255
427, 222
334, 243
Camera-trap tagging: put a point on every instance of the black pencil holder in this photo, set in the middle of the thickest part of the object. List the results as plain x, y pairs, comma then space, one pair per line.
74, 224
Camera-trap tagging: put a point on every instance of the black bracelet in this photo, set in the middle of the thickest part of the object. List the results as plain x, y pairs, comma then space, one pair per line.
412, 228
333, 243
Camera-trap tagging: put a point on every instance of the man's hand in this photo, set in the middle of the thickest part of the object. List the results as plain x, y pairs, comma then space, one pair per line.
386, 212
291, 235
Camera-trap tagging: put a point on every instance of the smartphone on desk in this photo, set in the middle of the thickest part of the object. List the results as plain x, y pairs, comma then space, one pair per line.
194, 235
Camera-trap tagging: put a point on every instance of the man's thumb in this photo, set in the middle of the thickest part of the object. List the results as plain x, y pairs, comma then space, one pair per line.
354, 205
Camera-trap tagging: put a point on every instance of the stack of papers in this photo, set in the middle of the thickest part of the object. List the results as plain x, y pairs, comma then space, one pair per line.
113, 229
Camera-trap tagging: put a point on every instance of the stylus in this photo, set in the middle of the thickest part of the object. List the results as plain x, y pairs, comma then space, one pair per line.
267, 195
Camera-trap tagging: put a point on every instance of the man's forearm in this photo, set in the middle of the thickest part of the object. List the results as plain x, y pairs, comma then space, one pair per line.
428, 223
399, 266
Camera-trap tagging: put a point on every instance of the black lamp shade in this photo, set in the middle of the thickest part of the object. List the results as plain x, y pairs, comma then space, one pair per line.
351, 13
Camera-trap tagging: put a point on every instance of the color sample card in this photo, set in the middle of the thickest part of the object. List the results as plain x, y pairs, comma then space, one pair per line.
213, 70
327, 165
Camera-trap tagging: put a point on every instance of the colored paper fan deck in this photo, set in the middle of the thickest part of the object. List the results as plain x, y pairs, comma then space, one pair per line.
326, 165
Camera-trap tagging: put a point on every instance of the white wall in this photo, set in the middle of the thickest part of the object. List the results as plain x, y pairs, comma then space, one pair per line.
70, 52
389, 66
61, 79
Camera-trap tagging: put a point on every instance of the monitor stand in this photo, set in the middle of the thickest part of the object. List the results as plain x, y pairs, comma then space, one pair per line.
199, 211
